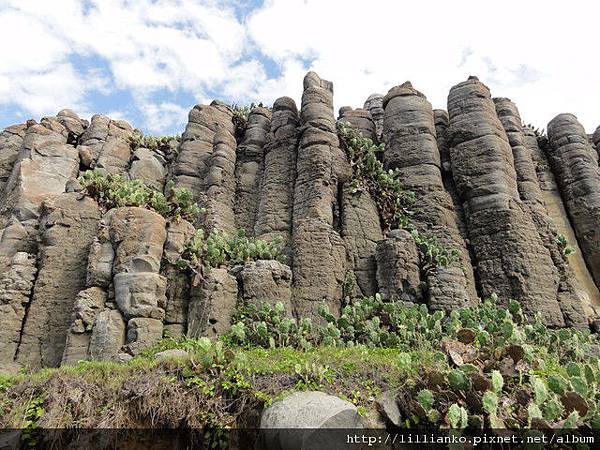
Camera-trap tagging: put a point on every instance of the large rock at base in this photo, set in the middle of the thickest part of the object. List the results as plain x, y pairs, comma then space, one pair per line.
295, 422
16, 285
212, 304
108, 335
143, 333
266, 281
398, 273
89, 303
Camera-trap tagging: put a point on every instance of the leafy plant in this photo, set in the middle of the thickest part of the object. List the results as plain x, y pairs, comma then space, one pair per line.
564, 246
218, 249
113, 191
167, 145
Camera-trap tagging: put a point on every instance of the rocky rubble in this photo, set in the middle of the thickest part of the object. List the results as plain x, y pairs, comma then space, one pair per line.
80, 282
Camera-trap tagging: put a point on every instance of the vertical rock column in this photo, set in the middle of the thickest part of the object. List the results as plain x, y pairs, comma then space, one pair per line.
411, 147
105, 145
557, 212
575, 165
276, 197
44, 164
374, 105
193, 162
441, 128
596, 139
361, 228
531, 195
510, 257
318, 250
10, 144
68, 225
249, 167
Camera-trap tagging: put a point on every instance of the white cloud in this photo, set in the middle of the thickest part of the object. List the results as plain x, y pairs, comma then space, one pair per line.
544, 58
540, 55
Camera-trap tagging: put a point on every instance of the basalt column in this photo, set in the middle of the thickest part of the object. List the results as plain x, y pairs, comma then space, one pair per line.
193, 162
441, 128
556, 210
510, 257
575, 165
249, 167
411, 146
276, 198
531, 195
374, 105
361, 228
105, 145
596, 139
318, 250
10, 143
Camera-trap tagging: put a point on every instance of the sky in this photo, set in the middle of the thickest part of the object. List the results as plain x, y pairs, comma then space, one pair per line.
150, 61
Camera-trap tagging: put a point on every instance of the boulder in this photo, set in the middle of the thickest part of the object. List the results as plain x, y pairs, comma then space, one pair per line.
108, 335
143, 333
140, 294
307, 420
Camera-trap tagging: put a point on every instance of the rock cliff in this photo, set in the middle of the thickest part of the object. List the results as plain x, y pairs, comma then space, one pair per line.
82, 280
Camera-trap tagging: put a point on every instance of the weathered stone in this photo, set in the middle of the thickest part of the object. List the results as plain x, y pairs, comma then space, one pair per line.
191, 166
398, 273
374, 105
266, 281
148, 167
100, 262
140, 294
178, 281
411, 147
220, 184
174, 353
249, 168
575, 165
105, 145
11, 140
531, 194
44, 165
510, 257
361, 120
140, 234
212, 304
108, 336
361, 230
596, 140
143, 333
554, 204
318, 251
294, 422
68, 223
89, 303
276, 198
388, 406
16, 284
72, 123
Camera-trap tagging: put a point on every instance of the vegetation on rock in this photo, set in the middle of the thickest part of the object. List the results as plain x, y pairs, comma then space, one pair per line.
165, 144
218, 249
482, 367
114, 191
393, 201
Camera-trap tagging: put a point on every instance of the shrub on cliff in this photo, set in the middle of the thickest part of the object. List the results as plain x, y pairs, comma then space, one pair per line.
114, 191
219, 249
165, 144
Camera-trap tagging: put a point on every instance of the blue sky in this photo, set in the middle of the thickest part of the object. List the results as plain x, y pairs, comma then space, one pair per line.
150, 61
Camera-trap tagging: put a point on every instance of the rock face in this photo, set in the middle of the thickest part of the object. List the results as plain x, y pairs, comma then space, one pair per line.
274, 216
411, 147
575, 165
510, 258
79, 282
531, 194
